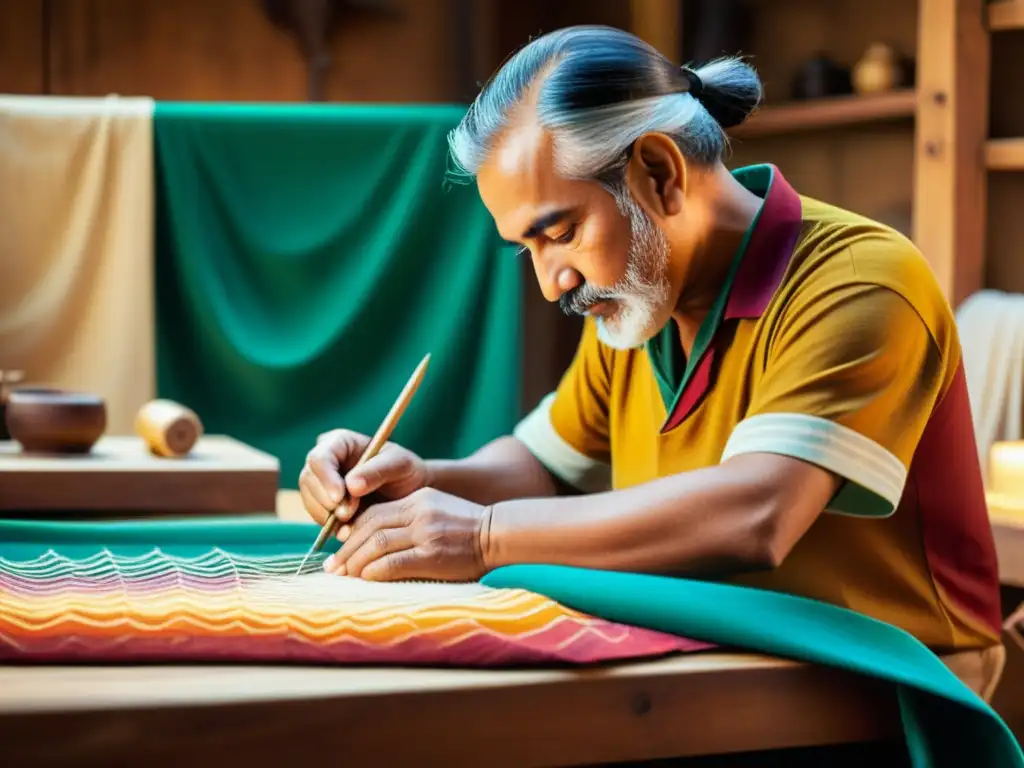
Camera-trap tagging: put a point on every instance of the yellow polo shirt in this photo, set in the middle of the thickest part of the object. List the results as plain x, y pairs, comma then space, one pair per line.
831, 342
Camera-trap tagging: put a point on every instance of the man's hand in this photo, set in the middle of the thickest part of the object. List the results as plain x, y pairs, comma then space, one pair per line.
426, 535
326, 478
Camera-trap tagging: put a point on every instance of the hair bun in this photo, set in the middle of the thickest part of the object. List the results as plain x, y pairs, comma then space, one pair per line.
729, 90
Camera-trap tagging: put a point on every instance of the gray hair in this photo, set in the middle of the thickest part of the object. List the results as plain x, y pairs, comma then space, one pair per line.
597, 90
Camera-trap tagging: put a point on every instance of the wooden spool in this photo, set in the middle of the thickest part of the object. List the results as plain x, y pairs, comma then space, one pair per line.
169, 429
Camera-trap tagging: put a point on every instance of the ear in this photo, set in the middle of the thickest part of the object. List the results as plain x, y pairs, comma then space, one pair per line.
656, 174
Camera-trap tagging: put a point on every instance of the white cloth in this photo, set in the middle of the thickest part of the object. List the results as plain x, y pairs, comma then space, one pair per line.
991, 329
76, 247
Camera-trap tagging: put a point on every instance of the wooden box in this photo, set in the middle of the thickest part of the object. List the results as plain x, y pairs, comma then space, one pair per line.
121, 476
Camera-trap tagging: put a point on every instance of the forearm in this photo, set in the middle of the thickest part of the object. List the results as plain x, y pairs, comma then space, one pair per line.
503, 469
711, 521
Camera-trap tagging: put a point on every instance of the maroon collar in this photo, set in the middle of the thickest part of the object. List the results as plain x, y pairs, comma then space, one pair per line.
763, 265
767, 255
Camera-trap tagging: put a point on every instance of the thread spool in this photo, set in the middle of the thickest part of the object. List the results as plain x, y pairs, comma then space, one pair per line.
168, 429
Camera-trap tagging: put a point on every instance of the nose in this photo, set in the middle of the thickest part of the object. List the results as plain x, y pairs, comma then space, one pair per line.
555, 279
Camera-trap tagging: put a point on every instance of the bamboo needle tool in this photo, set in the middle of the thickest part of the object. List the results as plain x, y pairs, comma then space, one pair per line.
378, 441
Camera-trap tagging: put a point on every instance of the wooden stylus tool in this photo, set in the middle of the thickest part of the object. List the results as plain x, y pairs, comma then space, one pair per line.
378, 441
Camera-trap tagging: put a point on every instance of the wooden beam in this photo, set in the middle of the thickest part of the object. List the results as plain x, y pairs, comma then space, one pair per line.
1004, 154
1005, 15
952, 126
660, 23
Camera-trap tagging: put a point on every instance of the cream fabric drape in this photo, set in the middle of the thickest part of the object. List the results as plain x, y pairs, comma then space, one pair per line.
76, 247
991, 328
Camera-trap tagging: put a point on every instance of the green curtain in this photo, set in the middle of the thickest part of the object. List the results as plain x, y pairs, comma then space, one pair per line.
308, 256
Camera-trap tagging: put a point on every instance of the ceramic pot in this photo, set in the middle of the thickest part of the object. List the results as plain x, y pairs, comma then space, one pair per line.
51, 420
879, 70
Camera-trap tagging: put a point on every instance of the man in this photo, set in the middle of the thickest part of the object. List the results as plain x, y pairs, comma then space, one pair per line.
768, 389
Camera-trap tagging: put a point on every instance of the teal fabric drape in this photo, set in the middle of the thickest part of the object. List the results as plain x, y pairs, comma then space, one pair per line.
248, 536
946, 724
308, 256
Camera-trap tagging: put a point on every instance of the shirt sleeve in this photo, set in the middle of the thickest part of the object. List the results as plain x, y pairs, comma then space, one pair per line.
568, 431
850, 381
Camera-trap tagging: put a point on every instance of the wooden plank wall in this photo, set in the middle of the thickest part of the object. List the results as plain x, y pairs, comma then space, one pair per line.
21, 47
224, 50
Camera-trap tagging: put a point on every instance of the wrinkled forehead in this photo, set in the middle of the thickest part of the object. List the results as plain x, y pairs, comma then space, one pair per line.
519, 182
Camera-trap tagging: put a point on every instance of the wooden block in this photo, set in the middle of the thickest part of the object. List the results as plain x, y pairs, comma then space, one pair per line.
121, 476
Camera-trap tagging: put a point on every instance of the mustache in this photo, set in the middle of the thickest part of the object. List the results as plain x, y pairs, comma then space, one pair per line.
576, 301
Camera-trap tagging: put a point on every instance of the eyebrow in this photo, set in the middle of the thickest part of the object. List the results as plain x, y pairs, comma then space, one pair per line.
543, 222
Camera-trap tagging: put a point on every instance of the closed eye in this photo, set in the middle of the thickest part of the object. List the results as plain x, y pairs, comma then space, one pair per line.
567, 236
562, 239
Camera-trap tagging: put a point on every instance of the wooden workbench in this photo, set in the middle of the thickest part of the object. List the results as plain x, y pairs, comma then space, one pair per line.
173, 715
700, 704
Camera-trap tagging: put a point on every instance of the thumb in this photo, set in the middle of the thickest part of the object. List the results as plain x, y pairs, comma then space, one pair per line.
386, 467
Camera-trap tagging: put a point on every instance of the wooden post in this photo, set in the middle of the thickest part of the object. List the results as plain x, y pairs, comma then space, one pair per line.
660, 23
953, 63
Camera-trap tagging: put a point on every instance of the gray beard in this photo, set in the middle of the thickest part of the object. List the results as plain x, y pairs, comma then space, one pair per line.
639, 297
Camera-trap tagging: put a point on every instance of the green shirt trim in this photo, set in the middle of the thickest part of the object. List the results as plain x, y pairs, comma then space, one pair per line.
672, 369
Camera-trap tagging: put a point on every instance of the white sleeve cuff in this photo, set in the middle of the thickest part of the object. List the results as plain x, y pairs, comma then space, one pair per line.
877, 476
537, 432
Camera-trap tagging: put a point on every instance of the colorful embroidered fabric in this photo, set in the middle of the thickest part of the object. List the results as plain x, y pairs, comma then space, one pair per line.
96, 603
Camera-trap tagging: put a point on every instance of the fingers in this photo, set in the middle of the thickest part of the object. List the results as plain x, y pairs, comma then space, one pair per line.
320, 482
312, 487
345, 445
345, 511
404, 565
383, 541
387, 466
325, 480
349, 509
313, 506
391, 515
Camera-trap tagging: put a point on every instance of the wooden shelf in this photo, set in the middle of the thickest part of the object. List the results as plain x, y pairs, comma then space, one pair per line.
834, 112
1005, 15
1004, 154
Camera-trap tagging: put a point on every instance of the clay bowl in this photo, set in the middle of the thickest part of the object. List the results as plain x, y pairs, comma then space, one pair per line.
50, 420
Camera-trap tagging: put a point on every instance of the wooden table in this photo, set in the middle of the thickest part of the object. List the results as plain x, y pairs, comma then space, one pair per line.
698, 704
702, 704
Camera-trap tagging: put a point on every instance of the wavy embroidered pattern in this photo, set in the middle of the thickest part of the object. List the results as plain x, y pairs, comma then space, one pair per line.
225, 607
